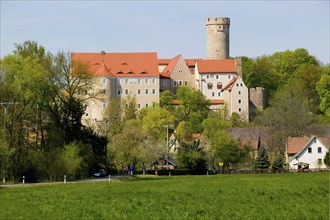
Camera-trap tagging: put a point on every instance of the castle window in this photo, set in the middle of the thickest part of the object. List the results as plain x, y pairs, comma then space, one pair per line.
153, 81
126, 91
219, 85
139, 91
104, 81
207, 76
118, 91
174, 83
147, 91
217, 76
239, 109
126, 81
139, 81
153, 91
186, 83
147, 81
319, 150
139, 105
180, 83
219, 94
310, 150
104, 105
229, 76
147, 105
212, 94
209, 85
86, 114
239, 92
239, 101
241, 84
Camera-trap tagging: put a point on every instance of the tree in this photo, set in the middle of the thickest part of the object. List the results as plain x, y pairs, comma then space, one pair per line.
227, 150
192, 157
327, 159
262, 161
323, 90
285, 117
278, 162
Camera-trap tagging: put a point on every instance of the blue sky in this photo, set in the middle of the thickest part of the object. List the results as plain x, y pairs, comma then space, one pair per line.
166, 27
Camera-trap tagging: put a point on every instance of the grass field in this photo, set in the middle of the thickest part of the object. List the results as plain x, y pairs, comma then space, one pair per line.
264, 196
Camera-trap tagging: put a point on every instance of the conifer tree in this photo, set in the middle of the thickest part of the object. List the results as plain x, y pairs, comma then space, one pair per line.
327, 159
262, 161
278, 162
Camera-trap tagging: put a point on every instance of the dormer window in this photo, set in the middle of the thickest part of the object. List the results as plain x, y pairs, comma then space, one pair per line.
143, 73
120, 73
219, 85
130, 73
209, 85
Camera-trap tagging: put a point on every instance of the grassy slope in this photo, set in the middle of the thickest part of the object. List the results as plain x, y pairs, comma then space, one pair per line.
270, 196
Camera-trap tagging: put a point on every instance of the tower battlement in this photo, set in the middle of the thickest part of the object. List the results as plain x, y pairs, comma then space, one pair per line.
218, 21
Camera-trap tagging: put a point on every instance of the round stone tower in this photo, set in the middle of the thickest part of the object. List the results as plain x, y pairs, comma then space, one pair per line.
217, 38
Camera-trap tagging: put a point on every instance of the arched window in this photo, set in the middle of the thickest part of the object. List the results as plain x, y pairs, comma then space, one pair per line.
219, 85
209, 85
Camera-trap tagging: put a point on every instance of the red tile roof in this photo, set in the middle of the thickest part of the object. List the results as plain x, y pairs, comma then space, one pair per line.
169, 68
296, 144
217, 101
191, 62
230, 84
164, 61
216, 66
121, 64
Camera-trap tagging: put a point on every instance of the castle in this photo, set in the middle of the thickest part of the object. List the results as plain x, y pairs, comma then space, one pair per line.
145, 76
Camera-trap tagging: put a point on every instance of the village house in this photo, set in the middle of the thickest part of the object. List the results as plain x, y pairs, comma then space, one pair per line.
306, 152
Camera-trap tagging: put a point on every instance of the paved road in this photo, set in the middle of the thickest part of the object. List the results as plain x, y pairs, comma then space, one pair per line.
68, 182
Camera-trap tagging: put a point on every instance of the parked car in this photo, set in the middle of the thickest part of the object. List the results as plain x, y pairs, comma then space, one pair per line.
100, 173
211, 172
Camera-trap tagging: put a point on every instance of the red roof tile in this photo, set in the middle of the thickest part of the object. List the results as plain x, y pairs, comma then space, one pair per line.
217, 101
230, 84
169, 68
216, 66
121, 64
296, 144
191, 62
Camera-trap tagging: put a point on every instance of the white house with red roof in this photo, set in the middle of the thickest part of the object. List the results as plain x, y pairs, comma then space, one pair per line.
306, 152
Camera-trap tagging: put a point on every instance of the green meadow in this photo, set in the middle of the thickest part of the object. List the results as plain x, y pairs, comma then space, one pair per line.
241, 196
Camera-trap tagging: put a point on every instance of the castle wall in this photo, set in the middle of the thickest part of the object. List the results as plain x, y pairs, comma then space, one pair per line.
257, 98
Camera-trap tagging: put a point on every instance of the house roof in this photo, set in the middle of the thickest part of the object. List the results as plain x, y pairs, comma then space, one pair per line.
253, 137
230, 84
295, 145
121, 64
217, 101
216, 66
170, 67
191, 62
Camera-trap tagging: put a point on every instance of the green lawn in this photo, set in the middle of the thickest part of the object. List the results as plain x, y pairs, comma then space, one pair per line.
267, 196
